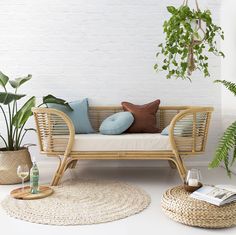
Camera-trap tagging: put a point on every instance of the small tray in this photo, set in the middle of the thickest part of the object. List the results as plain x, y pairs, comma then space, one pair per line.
44, 191
191, 189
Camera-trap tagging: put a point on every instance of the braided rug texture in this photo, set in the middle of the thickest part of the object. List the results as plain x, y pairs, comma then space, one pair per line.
81, 202
177, 205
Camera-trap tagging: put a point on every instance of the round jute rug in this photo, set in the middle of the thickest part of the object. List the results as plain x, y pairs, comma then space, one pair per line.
81, 202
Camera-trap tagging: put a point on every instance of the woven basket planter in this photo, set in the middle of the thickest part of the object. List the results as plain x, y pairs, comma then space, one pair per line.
9, 161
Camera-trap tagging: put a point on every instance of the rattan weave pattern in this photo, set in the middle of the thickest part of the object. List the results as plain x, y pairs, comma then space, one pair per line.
9, 161
177, 205
193, 121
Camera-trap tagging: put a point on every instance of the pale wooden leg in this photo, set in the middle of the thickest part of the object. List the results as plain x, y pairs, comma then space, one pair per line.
56, 173
180, 166
59, 176
183, 170
60, 171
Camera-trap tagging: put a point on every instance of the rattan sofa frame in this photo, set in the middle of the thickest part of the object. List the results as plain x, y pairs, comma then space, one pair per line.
51, 123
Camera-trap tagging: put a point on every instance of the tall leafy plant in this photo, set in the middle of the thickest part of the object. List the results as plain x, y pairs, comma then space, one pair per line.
190, 35
227, 143
15, 117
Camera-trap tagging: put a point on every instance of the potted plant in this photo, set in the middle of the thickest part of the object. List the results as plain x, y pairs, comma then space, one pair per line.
15, 117
189, 37
226, 150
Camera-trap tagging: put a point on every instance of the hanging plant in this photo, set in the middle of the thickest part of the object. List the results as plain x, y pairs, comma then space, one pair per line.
189, 36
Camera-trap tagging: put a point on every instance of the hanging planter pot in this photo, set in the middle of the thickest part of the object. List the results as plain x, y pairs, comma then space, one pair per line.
190, 35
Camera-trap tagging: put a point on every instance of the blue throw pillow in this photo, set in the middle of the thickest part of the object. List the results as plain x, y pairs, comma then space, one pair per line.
116, 123
165, 131
186, 125
79, 115
182, 131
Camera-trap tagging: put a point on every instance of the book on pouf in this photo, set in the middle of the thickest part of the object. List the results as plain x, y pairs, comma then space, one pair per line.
217, 195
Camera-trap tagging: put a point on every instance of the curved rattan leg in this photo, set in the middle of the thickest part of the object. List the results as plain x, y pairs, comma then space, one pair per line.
73, 164
172, 164
61, 169
184, 170
57, 172
180, 166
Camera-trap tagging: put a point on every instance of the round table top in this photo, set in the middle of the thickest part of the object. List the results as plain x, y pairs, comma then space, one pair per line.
24, 194
178, 205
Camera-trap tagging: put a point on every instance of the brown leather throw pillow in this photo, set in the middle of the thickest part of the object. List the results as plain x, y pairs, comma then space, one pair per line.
144, 117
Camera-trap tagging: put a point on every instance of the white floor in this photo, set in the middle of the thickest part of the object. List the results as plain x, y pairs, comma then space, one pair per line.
151, 221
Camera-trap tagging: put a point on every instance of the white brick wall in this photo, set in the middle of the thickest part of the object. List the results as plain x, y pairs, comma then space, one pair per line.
104, 50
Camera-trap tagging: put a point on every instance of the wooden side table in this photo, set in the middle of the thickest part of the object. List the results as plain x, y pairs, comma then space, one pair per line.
177, 205
44, 191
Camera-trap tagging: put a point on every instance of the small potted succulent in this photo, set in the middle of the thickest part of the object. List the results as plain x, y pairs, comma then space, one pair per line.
13, 118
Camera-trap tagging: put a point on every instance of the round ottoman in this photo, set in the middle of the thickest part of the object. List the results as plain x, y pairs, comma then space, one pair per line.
177, 205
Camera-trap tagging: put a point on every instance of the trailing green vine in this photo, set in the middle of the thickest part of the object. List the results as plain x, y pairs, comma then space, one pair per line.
189, 37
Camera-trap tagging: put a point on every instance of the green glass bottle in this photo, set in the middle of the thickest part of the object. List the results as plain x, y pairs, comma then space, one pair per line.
34, 179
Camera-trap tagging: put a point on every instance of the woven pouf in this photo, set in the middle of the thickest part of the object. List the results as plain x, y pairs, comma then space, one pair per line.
179, 206
81, 202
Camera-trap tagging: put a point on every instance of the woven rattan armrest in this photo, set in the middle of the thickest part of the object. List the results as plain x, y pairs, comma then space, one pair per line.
51, 123
195, 121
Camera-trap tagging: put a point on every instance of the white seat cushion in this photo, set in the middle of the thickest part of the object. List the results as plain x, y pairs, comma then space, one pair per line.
124, 142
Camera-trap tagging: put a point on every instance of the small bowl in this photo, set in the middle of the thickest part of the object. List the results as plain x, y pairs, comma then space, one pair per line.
191, 189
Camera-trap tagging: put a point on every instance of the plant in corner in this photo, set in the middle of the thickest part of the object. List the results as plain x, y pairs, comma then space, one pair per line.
227, 143
15, 118
190, 35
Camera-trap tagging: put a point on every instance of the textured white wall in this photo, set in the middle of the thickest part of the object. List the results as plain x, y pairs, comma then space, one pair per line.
104, 50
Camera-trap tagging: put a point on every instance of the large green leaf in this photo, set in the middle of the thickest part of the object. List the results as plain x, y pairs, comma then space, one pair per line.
19, 81
7, 97
24, 113
3, 79
226, 144
229, 85
54, 100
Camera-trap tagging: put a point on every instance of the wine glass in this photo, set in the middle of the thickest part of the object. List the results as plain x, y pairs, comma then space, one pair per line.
193, 177
23, 172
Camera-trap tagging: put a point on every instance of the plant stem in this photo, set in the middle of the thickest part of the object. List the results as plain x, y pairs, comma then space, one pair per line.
18, 137
10, 145
22, 137
3, 140
15, 133
6, 122
10, 139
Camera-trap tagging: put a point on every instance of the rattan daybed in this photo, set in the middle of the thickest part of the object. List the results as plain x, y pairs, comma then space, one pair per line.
57, 137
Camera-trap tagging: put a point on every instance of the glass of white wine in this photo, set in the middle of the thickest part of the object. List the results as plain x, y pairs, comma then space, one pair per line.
23, 172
